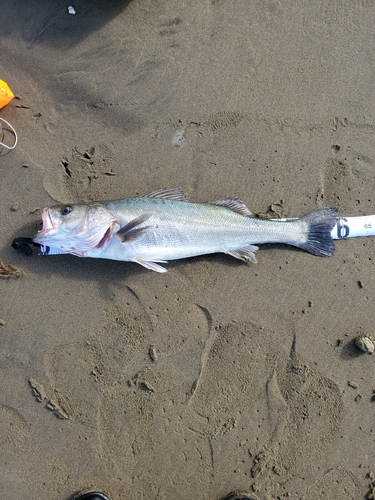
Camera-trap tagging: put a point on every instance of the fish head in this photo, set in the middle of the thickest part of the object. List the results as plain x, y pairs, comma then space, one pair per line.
76, 228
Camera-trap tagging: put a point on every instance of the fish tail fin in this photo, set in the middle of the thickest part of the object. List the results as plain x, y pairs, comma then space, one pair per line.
318, 235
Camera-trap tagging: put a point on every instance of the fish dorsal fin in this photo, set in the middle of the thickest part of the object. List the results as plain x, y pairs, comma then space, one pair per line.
232, 203
175, 194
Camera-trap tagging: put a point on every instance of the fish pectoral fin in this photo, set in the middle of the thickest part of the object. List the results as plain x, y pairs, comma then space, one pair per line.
175, 194
150, 264
131, 231
232, 203
245, 253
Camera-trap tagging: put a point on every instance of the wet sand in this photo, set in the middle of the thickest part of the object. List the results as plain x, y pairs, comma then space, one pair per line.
218, 375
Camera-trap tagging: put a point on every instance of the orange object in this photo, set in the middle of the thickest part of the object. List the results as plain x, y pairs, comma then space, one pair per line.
6, 95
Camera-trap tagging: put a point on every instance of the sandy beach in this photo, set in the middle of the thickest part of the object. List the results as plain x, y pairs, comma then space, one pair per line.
218, 375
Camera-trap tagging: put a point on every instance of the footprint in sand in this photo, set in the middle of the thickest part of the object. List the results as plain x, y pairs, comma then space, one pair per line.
265, 407
14, 431
340, 484
337, 180
345, 179
73, 393
143, 395
313, 407
83, 176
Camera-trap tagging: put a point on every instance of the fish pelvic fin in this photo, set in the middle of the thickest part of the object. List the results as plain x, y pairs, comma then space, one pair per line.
131, 231
245, 253
319, 226
150, 264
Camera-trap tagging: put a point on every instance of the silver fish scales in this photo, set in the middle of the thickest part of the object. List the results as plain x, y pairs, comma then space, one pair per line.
163, 225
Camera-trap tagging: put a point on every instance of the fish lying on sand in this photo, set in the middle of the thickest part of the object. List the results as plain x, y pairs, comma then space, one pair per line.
163, 225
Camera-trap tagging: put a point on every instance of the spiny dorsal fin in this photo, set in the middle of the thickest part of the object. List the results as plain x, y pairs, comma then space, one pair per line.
175, 194
234, 204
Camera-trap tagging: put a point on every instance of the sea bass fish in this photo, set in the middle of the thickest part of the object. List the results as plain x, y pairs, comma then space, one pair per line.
164, 225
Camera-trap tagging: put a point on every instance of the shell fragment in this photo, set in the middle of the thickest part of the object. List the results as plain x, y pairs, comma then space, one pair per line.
365, 343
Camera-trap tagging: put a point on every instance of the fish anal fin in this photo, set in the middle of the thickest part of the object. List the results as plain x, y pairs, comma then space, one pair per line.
245, 253
152, 265
175, 194
232, 203
131, 231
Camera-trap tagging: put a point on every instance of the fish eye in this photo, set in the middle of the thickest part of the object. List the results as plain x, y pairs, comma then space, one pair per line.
66, 210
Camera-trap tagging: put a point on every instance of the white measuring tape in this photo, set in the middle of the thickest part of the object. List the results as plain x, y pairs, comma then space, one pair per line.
353, 227
349, 227
14, 132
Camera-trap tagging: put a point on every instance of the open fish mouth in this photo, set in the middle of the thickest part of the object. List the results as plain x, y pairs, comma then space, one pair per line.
48, 222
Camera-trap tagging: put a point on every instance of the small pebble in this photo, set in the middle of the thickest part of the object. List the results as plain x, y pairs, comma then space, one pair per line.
365, 343
2, 322
15, 207
178, 139
146, 386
